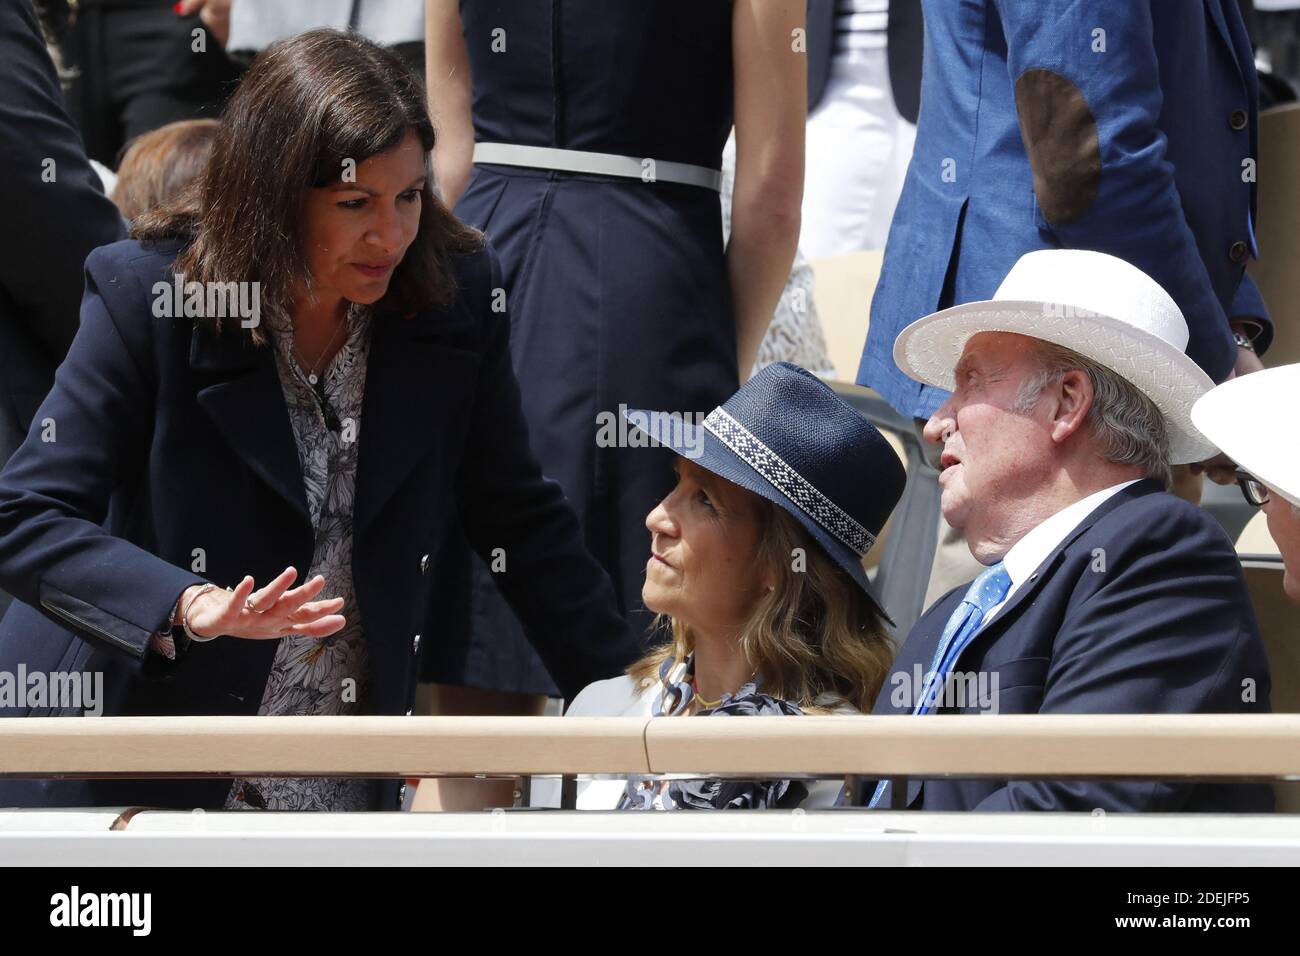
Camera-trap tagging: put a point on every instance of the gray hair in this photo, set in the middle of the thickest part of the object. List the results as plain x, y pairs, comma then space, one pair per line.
1127, 426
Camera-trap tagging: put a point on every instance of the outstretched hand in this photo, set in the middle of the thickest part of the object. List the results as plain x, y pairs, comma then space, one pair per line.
269, 612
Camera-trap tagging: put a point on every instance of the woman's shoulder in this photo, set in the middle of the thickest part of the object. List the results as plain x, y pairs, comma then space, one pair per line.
126, 272
140, 256
468, 319
615, 697
476, 268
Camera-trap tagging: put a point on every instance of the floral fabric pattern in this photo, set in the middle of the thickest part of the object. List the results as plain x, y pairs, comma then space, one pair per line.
677, 690
328, 675
741, 794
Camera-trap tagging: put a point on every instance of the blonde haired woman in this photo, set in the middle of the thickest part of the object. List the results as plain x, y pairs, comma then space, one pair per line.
755, 569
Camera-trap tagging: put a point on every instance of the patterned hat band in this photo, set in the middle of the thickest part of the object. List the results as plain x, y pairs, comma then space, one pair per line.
789, 482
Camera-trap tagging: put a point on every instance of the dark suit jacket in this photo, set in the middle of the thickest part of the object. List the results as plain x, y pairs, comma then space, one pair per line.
51, 225
1141, 610
1123, 126
170, 439
904, 38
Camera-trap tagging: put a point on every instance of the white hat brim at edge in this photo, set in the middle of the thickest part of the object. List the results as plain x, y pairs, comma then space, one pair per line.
928, 350
1242, 417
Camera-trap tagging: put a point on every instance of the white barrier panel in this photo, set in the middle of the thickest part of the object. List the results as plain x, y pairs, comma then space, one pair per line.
662, 839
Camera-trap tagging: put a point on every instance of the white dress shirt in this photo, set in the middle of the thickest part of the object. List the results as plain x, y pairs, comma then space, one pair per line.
1035, 547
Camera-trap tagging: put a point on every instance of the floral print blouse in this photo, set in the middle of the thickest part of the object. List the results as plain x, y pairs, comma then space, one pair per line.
321, 675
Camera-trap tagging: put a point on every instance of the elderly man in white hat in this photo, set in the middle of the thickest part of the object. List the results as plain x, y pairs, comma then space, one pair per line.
1102, 592
1240, 416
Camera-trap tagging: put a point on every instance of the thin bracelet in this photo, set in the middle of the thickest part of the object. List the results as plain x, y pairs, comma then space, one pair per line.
167, 628
185, 614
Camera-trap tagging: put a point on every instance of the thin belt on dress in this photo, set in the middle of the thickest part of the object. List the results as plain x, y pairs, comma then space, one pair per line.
603, 164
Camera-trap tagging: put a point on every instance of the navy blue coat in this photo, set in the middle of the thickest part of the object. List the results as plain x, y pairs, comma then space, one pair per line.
1147, 166
171, 439
1157, 622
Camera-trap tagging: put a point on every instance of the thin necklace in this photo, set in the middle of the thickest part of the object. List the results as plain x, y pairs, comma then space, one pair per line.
332, 421
312, 377
706, 704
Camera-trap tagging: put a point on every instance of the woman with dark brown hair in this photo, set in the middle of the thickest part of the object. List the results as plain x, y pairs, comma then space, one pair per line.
302, 365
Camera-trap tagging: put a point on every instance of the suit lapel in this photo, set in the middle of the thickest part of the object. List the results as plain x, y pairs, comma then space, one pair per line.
1024, 593
1044, 571
412, 384
247, 407
415, 384
1215, 10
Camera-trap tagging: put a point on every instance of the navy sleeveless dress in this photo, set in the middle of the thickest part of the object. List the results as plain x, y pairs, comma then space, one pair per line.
617, 287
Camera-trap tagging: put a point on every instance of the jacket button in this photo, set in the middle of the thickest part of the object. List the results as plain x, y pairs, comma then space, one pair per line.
415, 644
1237, 251
424, 564
1237, 119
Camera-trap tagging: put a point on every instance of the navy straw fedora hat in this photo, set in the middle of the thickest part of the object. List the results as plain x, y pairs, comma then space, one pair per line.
787, 436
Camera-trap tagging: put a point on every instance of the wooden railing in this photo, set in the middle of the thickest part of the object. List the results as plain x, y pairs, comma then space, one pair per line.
1153, 746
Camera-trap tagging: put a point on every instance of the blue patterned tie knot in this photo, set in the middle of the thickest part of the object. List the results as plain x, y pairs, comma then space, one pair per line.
985, 592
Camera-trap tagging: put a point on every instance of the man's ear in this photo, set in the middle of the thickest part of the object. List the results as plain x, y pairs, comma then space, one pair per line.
1072, 402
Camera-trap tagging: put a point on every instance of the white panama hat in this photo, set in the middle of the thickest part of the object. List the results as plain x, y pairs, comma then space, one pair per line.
1095, 304
1242, 417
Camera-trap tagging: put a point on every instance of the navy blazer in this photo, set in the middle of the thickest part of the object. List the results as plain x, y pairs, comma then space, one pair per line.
1142, 609
1165, 133
172, 444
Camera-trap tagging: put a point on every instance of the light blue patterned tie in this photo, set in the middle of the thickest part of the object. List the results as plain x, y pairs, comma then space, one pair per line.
985, 592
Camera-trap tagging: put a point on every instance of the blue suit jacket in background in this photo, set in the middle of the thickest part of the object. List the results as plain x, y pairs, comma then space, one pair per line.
1173, 81
1141, 610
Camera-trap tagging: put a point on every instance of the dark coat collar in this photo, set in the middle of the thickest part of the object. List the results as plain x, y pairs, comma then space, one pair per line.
405, 374
1026, 592
1139, 489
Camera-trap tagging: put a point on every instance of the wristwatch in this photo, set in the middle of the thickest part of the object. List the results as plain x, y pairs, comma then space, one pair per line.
1243, 340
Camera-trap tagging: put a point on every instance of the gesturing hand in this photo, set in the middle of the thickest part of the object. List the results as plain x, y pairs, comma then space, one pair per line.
272, 611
